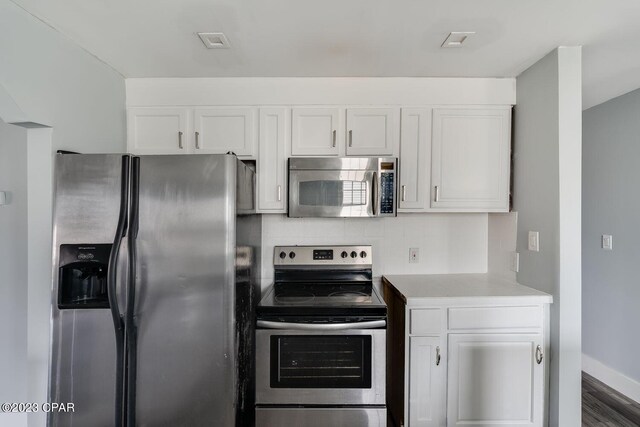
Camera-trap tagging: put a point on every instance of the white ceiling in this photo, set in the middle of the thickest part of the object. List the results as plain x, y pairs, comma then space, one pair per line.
156, 38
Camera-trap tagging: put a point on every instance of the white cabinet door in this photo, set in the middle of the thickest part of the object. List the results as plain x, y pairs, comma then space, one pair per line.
315, 132
158, 130
272, 165
372, 131
427, 371
471, 159
495, 380
223, 129
415, 159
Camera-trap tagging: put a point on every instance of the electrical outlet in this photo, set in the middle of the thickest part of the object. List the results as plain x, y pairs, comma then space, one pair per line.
414, 254
515, 262
534, 241
607, 242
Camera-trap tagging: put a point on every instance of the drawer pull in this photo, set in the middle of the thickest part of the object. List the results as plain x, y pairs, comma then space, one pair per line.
438, 356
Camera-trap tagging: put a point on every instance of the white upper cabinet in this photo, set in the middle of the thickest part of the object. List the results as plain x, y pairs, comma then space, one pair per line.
158, 130
372, 131
315, 132
495, 380
427, 388
272, 164
415, 159
470, 165
219, 130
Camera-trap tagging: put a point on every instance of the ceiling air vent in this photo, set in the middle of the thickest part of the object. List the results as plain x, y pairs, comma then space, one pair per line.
214, 40
457, 38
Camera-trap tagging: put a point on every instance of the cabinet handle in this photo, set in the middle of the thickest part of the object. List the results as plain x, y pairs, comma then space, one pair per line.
279, 193
180, 140
350, 138
334, 138
197, 140
539, 355
437, 195
438, 356
404, 193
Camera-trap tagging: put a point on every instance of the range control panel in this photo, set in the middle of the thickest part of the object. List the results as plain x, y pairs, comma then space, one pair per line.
322, 255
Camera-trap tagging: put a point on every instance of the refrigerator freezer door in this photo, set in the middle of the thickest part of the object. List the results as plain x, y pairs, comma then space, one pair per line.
83, 353
185, 293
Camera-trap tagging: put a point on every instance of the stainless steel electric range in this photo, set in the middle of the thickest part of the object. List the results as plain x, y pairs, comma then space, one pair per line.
320, 340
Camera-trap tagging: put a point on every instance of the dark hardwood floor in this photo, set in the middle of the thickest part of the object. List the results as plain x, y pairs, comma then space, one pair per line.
603, 406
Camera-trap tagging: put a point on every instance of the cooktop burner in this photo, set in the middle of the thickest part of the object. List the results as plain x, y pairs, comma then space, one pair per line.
312, 281
323, 293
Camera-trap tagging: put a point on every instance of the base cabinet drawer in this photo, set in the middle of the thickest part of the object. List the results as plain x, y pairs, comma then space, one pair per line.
514, 317
426, 321
321, 417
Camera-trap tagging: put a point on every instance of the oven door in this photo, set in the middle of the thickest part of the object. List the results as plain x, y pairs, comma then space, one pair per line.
341, 367
333, 193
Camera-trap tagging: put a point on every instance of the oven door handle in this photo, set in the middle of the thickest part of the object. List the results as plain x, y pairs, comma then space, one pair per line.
321, 327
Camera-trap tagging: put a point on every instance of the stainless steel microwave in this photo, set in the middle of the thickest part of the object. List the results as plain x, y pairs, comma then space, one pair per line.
342, 186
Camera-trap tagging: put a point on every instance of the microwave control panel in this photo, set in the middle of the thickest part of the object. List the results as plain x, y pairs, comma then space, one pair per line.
387, 190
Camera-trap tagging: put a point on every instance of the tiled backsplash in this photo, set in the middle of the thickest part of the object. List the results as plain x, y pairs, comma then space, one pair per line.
448, 243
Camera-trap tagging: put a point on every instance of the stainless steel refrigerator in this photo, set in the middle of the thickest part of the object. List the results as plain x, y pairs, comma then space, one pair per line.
155, 266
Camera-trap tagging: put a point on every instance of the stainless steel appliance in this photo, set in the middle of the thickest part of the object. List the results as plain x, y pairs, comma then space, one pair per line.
321, 340
155, 264
342, 186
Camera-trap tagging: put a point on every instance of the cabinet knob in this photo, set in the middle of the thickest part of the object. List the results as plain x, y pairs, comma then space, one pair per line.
279, 193
350, 138
437, 195
334, 138
197, 140
404, 193
539, 355
438, 356
180, 140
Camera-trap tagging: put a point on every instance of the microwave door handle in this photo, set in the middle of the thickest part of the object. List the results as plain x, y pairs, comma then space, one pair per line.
321, 327
374, 194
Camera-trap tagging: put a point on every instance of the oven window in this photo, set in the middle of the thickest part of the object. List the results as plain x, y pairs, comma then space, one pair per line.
320, 361
332, 193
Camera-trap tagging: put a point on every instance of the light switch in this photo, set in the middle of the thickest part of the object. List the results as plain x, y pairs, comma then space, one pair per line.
534, 241
607, 242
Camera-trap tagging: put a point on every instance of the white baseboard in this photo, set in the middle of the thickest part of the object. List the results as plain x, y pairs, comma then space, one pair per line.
614, 379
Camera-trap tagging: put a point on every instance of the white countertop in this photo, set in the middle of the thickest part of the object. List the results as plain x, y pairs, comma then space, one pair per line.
421, 288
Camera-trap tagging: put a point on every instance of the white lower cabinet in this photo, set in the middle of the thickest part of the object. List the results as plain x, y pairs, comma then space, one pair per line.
427, 368
495, 380
445, 370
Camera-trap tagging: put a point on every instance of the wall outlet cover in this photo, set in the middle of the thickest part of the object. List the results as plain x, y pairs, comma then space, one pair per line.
607, 242
414, 255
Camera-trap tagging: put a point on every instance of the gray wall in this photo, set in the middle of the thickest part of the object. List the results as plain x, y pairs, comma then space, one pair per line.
547, 199
611, 205
13, 270
49, 80
57, 83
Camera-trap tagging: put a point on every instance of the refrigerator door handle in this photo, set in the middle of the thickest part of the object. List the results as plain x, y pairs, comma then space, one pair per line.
131, 330
112, 274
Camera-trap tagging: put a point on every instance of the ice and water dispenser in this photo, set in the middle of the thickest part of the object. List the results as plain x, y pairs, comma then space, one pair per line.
82, 278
